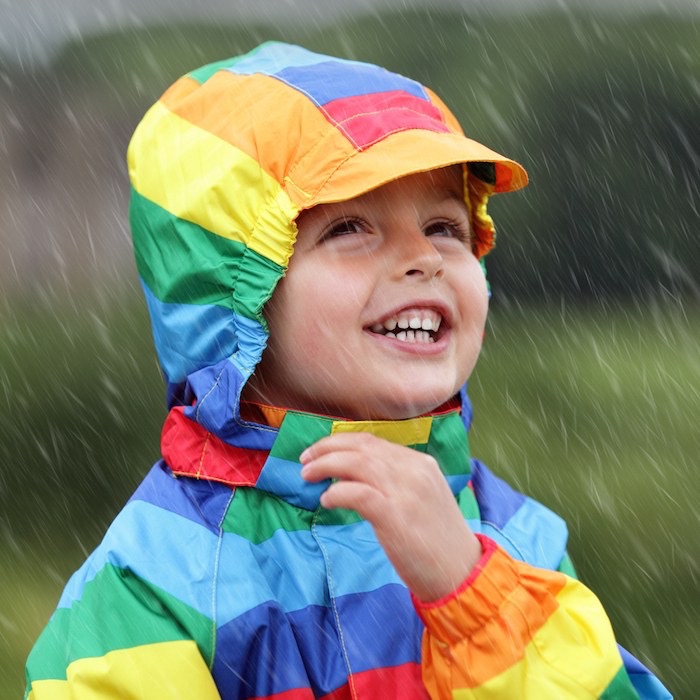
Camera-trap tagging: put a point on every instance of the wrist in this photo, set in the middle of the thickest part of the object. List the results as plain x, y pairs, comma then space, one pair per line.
450, 579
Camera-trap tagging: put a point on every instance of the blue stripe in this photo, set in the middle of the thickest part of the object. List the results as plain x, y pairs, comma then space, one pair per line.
649, 686
189, 336
358, 561
336, 79
198, 500
252, 646
374, 638
632, 664
283, 478
534, 534
272, 57
527, 530
643, 680
290, 568
217, 390
497, 500
457, 482
160, 547
322, 78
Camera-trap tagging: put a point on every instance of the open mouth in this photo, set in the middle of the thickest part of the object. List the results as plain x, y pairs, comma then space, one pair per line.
414, 325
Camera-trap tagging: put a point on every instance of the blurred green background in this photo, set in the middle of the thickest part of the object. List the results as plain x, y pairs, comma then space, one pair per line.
587, 394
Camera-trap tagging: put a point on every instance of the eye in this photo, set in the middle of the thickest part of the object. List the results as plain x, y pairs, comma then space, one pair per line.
344, 227
459, 230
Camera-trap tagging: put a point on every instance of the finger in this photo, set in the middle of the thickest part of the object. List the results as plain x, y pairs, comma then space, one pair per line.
354, 495
346, 464
342, 441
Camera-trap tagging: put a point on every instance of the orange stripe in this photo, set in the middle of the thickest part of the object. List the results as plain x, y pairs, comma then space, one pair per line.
322, 167
260, 134
499, 614
179, 90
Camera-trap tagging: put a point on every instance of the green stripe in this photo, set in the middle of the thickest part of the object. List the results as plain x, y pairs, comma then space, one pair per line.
567, 566
191, 265
257, 515
620, 687
182, 262
448, 438
253, 286
203, 74
468, 505
297, 432
117, 610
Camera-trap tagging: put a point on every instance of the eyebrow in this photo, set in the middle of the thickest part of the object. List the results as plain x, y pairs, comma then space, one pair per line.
453, 195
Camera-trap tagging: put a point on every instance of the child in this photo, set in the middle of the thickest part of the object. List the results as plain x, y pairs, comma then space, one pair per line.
316, 527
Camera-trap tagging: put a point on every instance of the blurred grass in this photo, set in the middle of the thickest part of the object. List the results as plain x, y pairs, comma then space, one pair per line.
82, 404
594, 412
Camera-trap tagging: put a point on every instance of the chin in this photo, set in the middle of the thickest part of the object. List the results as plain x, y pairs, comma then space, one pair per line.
407, 407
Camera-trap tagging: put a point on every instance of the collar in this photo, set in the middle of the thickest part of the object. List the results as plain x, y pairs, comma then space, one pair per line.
190, 450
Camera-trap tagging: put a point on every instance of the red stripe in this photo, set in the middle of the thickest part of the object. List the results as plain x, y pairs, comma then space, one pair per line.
403, 682
394, 682
366, 119
190, 450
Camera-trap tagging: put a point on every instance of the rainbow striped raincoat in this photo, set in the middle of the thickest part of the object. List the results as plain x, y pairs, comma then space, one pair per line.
223, 577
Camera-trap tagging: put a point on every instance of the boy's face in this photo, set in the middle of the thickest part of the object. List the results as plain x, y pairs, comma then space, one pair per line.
362, 270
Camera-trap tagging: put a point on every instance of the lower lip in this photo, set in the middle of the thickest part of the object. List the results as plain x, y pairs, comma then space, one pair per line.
422, 349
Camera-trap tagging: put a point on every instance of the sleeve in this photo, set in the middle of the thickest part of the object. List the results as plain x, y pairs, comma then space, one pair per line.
515, 630
114, 636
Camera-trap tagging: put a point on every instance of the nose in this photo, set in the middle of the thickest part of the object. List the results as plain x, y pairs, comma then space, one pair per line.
418, 257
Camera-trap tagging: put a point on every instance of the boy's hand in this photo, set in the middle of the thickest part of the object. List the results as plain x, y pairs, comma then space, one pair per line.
405, 497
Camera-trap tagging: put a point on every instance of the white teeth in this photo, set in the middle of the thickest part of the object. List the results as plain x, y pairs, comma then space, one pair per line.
411, 336
415, 320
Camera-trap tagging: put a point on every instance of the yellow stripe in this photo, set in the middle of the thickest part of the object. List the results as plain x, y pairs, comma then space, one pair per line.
49, 690
573, 655
415, 431
201, 178
163, 671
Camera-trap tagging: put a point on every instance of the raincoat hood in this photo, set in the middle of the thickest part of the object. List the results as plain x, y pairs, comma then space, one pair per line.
222, 165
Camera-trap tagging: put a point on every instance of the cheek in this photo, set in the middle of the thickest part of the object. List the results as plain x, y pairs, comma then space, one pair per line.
311, 317
475, 303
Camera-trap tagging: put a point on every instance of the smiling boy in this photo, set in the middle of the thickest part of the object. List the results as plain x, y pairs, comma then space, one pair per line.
309, 233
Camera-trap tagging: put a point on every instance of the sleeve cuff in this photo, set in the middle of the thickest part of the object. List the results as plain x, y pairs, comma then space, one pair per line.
477, 599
